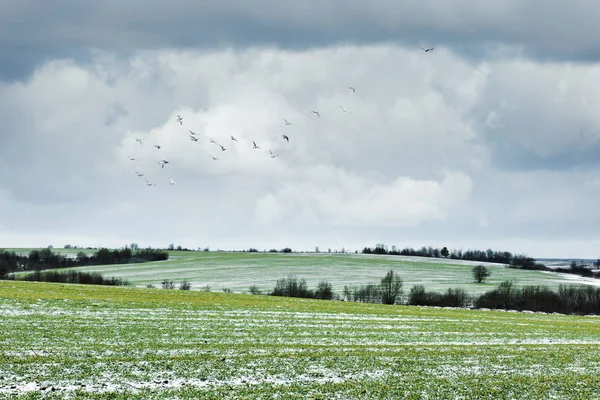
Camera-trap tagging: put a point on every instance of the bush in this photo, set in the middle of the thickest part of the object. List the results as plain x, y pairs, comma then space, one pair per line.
369, 293
167, 284
255, 290
324, 291
84, 278
568, 300
418, 296
227, 290
292, 287
185, 285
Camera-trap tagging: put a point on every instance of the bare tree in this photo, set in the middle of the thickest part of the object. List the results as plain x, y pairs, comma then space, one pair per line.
391, 288
480, 273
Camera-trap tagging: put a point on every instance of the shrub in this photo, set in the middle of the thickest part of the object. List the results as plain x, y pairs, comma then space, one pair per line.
418, 296
185, 285
324, 291
255, 290
167, 284
369, 293
84, 278
227, 290
292, 287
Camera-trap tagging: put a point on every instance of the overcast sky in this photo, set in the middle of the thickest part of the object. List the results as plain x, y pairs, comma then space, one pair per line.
491, 140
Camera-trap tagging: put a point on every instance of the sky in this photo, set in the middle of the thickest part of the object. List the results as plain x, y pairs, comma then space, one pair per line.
491, 140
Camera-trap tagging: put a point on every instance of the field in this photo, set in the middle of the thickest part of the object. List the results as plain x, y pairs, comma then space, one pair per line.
237, 271
74, 341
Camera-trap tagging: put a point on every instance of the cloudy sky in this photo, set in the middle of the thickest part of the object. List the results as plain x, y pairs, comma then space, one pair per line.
490, 140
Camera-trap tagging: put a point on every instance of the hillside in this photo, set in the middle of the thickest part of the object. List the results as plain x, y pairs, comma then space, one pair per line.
238, 271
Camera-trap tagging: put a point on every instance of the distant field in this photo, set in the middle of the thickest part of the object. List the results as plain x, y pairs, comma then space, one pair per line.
75, 341
238, 271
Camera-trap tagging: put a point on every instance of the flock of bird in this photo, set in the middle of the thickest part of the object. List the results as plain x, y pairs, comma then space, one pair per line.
194, 138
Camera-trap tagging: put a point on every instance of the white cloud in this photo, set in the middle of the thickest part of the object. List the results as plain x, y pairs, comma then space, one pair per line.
417, 154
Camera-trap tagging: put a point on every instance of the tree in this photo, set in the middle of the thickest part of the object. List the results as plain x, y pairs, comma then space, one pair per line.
391, 288
480, 273
445, 253
171, 247
324, 291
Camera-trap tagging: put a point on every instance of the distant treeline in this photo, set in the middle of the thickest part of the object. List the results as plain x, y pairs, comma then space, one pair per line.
11, 261
518, 261
501, 257
569, 299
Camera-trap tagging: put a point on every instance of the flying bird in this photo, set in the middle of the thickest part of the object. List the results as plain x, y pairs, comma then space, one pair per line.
149, 184
157, 146
287, 122
213, 141
344, 109
193, 138
172, 181
215, 158
273, 155
139, 141
232, 138
427, 49
222, 148
286, 138
316, 112
191, 133
255, 146
163, 163
139, 173
179, 119
352, 88
133, 159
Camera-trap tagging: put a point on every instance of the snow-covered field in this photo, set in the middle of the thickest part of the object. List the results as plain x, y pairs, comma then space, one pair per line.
67, 341
238, 271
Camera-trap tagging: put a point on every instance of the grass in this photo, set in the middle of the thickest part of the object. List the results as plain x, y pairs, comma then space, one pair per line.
238, 271
110, 342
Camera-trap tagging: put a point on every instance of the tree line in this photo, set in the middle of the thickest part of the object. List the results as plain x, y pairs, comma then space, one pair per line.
501, 257
36, 260
518, 261
568, 299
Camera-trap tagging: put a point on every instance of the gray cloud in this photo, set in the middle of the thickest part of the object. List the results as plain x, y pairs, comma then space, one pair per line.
554, 30
474, 145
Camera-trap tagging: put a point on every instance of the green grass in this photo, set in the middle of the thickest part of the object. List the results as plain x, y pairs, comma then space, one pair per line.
237, 271
108, 342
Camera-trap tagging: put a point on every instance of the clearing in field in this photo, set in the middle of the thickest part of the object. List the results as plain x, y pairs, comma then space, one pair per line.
110, 342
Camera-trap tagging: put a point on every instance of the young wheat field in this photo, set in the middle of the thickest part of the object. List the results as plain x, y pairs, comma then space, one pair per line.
238, 271
75, 341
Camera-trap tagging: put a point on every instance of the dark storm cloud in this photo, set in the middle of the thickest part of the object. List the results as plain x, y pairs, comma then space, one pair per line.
34, 31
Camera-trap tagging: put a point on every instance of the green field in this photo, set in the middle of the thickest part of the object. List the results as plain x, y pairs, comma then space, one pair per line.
237, 271
75, 341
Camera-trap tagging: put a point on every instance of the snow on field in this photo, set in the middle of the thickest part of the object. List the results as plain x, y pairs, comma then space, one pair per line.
238, 271
173, 349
